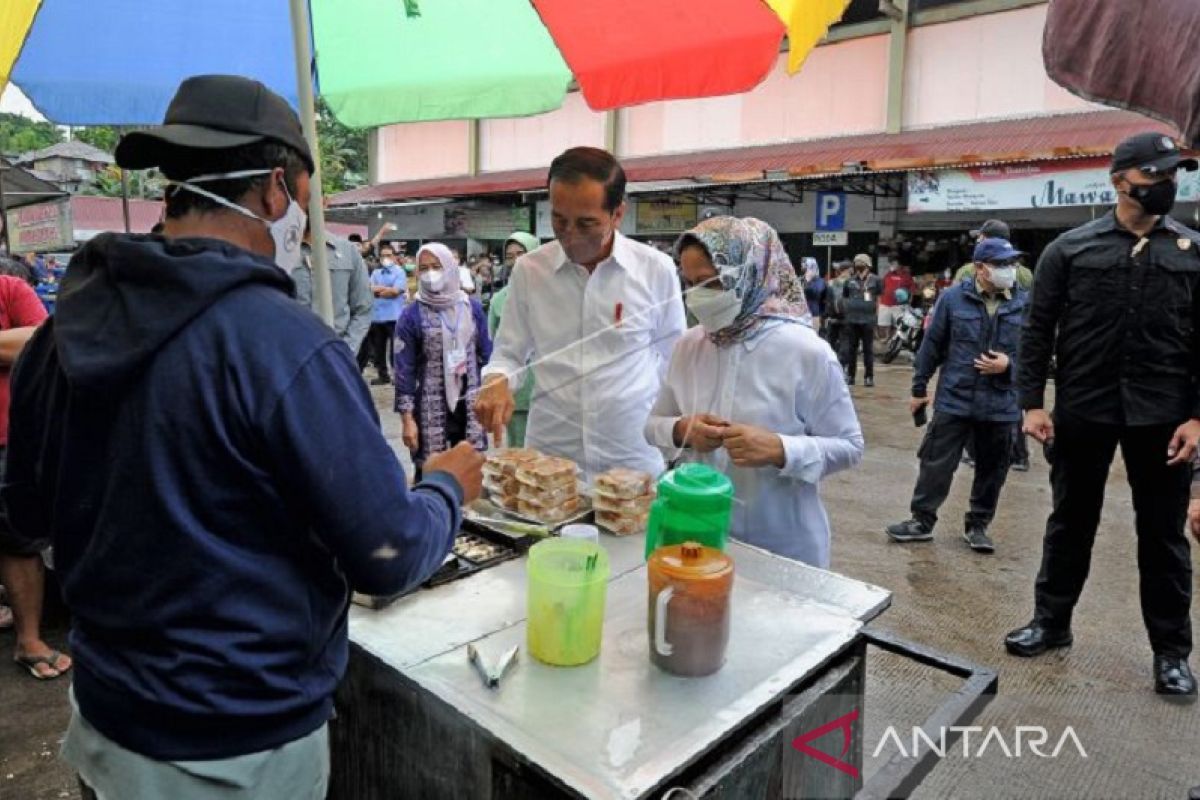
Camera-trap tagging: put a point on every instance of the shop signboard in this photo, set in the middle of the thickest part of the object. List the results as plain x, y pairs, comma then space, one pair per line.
42, 227
488, 223
1051, 184
665, 216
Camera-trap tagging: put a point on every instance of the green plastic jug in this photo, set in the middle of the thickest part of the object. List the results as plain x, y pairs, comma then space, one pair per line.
694, 504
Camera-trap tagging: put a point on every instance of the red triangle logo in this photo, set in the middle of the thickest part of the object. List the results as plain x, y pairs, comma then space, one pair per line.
846, 724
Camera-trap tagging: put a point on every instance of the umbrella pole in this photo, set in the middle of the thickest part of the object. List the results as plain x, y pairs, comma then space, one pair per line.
4, 213
301, 35
125, 198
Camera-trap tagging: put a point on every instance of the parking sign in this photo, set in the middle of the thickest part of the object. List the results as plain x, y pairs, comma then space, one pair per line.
831, 211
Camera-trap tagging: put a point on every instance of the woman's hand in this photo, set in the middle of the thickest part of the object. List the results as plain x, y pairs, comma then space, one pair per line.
701, 432
750, 446
412, 436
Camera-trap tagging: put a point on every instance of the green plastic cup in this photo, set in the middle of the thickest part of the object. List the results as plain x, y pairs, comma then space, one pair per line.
567, 585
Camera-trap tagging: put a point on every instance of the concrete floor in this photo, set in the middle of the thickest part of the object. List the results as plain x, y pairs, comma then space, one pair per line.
945, 596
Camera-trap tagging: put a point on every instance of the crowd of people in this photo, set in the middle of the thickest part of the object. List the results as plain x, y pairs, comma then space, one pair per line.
207, 527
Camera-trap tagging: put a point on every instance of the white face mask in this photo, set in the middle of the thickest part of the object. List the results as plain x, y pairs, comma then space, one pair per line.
287, 231
1003, 277
433, 279
715, 309
387, 262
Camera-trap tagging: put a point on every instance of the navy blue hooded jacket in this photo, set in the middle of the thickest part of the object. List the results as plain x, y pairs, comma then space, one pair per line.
961, 331
207, 461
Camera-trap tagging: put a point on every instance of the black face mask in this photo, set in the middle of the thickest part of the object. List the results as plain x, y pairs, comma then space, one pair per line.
1157, 198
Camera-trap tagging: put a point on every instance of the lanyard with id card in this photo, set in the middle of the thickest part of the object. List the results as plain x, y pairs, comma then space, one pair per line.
456, 356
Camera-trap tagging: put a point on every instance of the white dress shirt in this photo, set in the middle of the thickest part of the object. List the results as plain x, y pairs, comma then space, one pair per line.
789, 382
598, 346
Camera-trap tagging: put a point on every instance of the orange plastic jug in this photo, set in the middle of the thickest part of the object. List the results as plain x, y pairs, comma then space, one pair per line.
691, 588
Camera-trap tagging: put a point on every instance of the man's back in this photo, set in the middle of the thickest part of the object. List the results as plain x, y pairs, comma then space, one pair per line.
186, 482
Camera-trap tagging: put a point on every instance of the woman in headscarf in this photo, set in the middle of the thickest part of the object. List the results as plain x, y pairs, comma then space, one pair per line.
753, 391
442, 344
814, 291
516, 246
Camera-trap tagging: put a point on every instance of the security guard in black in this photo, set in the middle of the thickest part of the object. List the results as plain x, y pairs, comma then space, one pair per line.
1117, 301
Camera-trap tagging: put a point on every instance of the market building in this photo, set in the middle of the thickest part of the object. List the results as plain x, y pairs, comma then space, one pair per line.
905, 129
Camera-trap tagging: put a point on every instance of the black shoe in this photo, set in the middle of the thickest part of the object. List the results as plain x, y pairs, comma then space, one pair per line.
968, 461
909, 531
1021, 466
849, 381
1174, 680
979, 540
381, 381
869, 383
1033, 640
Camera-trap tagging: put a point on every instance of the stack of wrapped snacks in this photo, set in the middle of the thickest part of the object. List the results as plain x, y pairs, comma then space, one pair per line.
622, 500
548, 489
500, 475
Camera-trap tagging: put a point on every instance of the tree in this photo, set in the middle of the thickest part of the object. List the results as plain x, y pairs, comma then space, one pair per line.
20, 134
104, 137
343, 152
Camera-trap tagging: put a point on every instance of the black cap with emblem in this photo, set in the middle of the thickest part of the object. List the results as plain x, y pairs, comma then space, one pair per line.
1151, 153
215, 112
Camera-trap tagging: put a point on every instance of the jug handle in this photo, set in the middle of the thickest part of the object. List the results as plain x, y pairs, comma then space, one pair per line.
661, 645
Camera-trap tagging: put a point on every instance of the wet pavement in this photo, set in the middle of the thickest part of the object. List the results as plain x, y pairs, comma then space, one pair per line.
946, 597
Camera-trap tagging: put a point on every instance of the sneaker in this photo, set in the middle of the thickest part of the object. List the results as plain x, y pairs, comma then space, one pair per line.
979, 541
1021, 466
909, 531
381, 381
849, 381
869, 383
968, 461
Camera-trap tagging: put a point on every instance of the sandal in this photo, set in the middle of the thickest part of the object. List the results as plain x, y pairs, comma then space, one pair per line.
32, 663
6, 618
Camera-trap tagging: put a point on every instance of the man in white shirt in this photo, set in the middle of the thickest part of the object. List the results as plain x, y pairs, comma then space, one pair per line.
595, 316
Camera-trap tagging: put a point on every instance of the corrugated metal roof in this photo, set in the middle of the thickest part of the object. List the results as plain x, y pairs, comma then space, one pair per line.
72, 149
1093, 133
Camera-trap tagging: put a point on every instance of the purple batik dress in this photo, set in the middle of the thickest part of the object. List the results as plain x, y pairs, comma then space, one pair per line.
421, 377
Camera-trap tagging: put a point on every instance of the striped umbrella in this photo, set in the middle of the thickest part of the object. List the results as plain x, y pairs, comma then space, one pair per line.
84, 62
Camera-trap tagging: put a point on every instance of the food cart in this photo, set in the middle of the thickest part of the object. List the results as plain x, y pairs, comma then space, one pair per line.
414, 718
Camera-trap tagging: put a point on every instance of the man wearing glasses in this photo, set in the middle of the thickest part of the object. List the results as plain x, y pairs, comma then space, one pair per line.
1118, 301
973, 340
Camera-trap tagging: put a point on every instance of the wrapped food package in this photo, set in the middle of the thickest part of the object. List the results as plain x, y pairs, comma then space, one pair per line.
505, 461
547, 473
553, 496
622, 524
501, 485
550, 514
624, 484
634, 505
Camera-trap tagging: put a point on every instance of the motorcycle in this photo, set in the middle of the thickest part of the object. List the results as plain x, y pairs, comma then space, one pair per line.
910, 330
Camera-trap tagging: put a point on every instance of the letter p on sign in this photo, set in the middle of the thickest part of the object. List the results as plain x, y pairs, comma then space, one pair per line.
831, 211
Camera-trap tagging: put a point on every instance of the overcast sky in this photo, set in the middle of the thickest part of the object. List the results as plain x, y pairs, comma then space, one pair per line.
14, 102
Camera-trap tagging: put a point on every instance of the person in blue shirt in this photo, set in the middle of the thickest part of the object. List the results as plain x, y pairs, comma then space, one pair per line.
388, 284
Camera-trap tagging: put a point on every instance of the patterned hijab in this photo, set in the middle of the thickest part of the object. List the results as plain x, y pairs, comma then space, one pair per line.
751, 260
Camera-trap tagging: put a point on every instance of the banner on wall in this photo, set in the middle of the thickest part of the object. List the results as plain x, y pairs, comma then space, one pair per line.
1011, 186
485, 223
665, 216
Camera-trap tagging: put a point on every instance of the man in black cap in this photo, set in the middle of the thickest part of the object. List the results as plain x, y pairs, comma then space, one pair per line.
172, 438
1118, 301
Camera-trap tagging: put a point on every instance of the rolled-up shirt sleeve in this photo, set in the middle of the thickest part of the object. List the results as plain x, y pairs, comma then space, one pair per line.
833, 440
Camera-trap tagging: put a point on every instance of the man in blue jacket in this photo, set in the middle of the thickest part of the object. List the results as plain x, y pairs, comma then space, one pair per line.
171, 436
973, 339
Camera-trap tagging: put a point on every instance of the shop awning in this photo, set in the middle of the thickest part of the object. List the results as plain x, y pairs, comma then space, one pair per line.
1004, 141
23, 188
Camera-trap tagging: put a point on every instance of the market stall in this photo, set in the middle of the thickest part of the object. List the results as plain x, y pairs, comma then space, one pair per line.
417, 719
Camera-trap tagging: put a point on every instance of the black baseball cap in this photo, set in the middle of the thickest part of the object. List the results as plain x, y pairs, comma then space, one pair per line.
1151, 153
215, 112
993, 229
